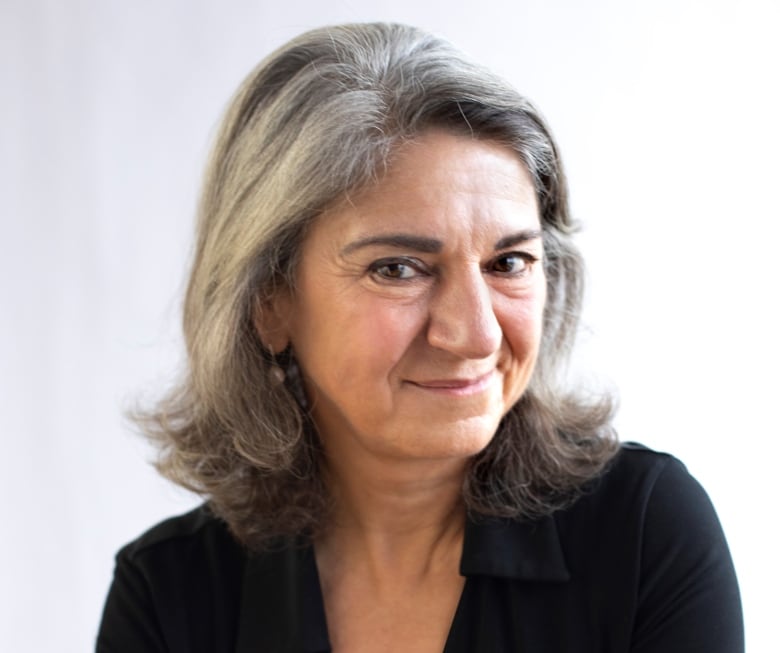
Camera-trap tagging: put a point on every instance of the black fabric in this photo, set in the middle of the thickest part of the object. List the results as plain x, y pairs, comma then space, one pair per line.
638, 564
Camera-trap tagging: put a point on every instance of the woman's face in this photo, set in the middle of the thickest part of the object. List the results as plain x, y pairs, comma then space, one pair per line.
417, 315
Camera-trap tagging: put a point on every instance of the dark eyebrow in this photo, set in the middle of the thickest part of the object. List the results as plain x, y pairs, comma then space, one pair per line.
431, 245
519, 237
401, 241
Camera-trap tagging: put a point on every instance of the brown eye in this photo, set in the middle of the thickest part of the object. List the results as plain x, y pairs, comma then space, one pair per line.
511, 264
394, 269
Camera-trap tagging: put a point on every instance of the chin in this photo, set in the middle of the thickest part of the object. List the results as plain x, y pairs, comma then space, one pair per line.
461, 440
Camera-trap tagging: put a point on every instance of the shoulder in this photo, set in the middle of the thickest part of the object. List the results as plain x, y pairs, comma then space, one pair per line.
643, 495
175, 587
677, 525
661, 485
639, 466
646, 530
644, 514
178, 553
638, 476
199, 528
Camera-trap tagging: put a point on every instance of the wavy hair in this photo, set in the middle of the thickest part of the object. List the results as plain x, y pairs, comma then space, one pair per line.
319, 118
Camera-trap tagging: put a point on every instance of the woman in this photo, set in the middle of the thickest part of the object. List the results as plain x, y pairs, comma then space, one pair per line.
383, 294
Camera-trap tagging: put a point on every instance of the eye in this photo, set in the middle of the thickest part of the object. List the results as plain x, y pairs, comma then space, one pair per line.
512, 264
395, 269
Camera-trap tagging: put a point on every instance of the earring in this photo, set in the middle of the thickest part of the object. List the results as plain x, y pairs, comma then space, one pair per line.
277, 373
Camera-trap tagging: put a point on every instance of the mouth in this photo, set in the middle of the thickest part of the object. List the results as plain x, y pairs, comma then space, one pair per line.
456, 386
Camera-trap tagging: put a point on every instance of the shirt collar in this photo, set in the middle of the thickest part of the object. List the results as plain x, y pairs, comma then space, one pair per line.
523, 550
281, 603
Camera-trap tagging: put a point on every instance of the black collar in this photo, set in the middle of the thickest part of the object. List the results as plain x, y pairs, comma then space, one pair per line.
529, 551
281, 604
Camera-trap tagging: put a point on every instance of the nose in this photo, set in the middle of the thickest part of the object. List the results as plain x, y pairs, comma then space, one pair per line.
462, 317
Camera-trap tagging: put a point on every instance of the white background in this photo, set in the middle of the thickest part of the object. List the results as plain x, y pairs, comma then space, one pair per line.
667, 113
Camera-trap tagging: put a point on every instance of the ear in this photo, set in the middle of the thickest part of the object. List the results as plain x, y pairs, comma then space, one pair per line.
271, 319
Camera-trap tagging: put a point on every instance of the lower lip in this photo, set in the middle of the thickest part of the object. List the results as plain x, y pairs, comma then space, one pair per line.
465, 390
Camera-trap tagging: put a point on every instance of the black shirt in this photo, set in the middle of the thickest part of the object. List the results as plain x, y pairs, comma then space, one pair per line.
637, 564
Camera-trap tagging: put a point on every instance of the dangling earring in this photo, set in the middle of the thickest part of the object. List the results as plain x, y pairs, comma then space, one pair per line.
277, 373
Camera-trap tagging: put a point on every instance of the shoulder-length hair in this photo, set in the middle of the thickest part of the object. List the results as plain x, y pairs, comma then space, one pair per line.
319, 118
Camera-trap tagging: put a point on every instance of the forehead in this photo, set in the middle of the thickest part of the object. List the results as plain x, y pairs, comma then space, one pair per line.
457, 162
441, 182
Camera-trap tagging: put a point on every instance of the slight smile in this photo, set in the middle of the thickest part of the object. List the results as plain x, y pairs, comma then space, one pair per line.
456, 387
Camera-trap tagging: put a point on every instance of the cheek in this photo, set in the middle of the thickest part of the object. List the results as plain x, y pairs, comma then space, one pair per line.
380, 333
522, 328
522, 336
521, 323
356, 341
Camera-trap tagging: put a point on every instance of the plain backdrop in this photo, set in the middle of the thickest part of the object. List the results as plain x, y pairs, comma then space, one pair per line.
667, 115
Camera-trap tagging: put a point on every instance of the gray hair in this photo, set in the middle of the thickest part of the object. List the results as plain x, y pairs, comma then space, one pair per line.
319, 118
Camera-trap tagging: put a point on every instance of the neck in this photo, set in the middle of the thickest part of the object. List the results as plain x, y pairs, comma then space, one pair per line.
401, 516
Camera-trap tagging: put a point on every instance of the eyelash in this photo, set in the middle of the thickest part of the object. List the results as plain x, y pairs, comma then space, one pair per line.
420, 269
528, 260
399, 261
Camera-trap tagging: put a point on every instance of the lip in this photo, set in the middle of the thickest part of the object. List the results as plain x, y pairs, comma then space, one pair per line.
459, 387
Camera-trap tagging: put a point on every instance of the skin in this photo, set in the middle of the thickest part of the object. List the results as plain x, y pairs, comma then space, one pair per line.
416, 323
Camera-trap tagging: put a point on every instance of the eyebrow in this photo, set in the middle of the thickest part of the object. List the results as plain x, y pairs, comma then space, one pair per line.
432, 245
518, 238
401, 241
